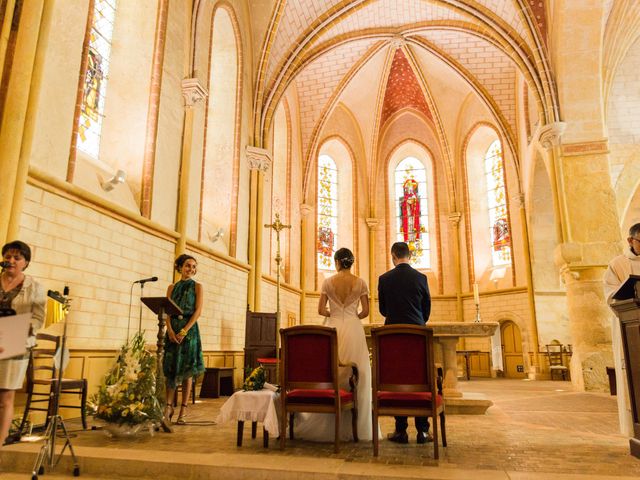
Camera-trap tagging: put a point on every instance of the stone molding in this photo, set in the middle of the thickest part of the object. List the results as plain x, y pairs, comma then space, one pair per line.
586, 148
454, 218
305, 209
193, 91
258, 159
372, 223
549, 135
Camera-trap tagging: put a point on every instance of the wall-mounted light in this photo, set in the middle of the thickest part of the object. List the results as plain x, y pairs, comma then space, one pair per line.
497, 274
216, 236
118, 178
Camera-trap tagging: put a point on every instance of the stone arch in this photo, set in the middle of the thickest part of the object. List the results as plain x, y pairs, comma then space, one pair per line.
342, 154
477, 141
221, 148
414, 147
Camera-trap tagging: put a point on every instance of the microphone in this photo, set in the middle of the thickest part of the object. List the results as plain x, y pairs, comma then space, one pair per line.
145, 280
5, 264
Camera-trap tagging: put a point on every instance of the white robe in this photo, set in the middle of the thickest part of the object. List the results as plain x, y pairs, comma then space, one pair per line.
619, 270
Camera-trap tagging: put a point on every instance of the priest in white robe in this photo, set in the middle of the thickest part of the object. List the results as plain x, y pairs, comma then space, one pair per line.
619, 270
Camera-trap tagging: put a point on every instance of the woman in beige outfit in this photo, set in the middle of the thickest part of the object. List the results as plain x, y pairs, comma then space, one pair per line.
23, 294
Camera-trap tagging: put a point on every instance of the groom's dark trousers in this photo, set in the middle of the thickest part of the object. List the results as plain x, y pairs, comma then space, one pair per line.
403, 296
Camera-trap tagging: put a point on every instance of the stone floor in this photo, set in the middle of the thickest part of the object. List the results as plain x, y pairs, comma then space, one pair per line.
534, 430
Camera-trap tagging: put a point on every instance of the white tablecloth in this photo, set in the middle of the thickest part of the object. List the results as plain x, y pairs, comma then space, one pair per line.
256, 406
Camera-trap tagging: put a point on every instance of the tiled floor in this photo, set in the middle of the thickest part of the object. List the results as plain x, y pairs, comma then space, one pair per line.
534, 427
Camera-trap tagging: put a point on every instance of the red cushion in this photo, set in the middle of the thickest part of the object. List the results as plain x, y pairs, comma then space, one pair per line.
270, 361
407, 399
325, 397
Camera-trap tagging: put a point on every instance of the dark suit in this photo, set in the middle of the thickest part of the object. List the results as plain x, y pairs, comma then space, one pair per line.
403, 296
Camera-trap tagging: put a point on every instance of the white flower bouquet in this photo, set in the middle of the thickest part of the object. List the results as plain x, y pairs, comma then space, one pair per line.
127, 395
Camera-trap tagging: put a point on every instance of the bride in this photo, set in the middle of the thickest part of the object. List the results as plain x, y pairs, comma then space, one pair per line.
344, 292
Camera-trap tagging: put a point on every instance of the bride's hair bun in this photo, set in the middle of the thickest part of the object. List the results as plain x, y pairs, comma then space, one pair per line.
344, 257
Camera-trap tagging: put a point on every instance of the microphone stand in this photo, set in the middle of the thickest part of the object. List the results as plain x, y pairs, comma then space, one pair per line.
47, 453
140, 317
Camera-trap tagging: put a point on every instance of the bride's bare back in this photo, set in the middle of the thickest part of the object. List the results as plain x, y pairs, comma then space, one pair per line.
343, 284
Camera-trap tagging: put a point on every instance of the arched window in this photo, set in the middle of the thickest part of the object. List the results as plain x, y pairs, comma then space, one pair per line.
497, 205
218, 197
412, 212
327, 211
95, 80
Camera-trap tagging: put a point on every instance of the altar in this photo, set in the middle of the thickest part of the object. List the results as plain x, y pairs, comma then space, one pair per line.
446, 335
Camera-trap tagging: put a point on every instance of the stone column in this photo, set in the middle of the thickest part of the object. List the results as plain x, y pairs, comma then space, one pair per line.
193, 93
450, 367
372, 223
20, 92
305, 211
534, 368
259, 161
454, 220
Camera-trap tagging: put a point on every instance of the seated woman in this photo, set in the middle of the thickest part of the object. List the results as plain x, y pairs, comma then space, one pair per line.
344, 292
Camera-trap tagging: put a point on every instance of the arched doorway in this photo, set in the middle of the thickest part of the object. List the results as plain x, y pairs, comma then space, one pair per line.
512, 358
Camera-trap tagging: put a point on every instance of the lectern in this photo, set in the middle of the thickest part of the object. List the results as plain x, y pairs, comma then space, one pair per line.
161, 306
626, 304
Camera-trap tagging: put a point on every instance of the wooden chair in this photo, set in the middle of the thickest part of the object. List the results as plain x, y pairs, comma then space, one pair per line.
309, 378
556, 362
42, 372
404, 379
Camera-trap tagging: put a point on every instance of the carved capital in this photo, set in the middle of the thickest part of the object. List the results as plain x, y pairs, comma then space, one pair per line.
549, 135
192, 91
258, 159
372, 223
305, 209
454, 218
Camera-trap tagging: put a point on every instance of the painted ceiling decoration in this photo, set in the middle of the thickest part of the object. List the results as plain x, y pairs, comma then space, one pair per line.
403, 90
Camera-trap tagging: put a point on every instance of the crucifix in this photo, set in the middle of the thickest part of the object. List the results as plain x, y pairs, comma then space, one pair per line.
277, 226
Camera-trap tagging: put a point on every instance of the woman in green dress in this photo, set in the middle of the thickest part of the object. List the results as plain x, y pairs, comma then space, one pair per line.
183, 348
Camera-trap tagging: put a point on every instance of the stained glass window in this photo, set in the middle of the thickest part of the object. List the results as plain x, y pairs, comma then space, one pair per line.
95, 80
497, 204
412, 221
327, 211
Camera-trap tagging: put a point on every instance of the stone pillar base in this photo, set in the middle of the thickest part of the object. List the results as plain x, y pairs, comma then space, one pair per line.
588, 372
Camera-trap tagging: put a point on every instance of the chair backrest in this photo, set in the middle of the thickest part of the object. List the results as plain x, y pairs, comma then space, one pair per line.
309, 357
403, 358
554, 352
42, 357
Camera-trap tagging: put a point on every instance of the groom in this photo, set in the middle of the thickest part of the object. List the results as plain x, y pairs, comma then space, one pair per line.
403, 295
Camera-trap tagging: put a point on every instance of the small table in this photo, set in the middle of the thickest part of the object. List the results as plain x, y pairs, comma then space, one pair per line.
254, 406
467, 366
217, 381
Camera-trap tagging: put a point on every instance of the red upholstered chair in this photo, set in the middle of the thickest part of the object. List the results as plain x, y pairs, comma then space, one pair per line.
309, 378
404, 379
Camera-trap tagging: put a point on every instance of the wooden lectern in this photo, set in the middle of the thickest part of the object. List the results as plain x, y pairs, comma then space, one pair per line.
626, 304
161, 306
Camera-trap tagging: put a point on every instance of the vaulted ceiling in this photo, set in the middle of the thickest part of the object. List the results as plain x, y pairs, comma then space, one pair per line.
390, 55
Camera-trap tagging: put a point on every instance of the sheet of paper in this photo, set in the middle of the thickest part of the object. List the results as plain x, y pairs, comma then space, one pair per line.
13, 334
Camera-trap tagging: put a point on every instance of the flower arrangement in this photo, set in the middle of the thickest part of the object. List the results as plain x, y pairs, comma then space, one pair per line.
255, 380
127, 395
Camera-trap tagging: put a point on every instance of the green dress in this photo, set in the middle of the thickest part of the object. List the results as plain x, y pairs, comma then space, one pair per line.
183, 360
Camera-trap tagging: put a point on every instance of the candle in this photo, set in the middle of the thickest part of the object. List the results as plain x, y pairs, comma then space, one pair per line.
476, 294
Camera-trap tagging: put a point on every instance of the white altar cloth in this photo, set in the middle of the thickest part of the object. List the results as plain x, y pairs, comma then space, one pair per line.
253, 406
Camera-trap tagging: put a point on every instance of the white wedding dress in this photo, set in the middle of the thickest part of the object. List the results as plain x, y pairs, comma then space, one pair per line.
352, 348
